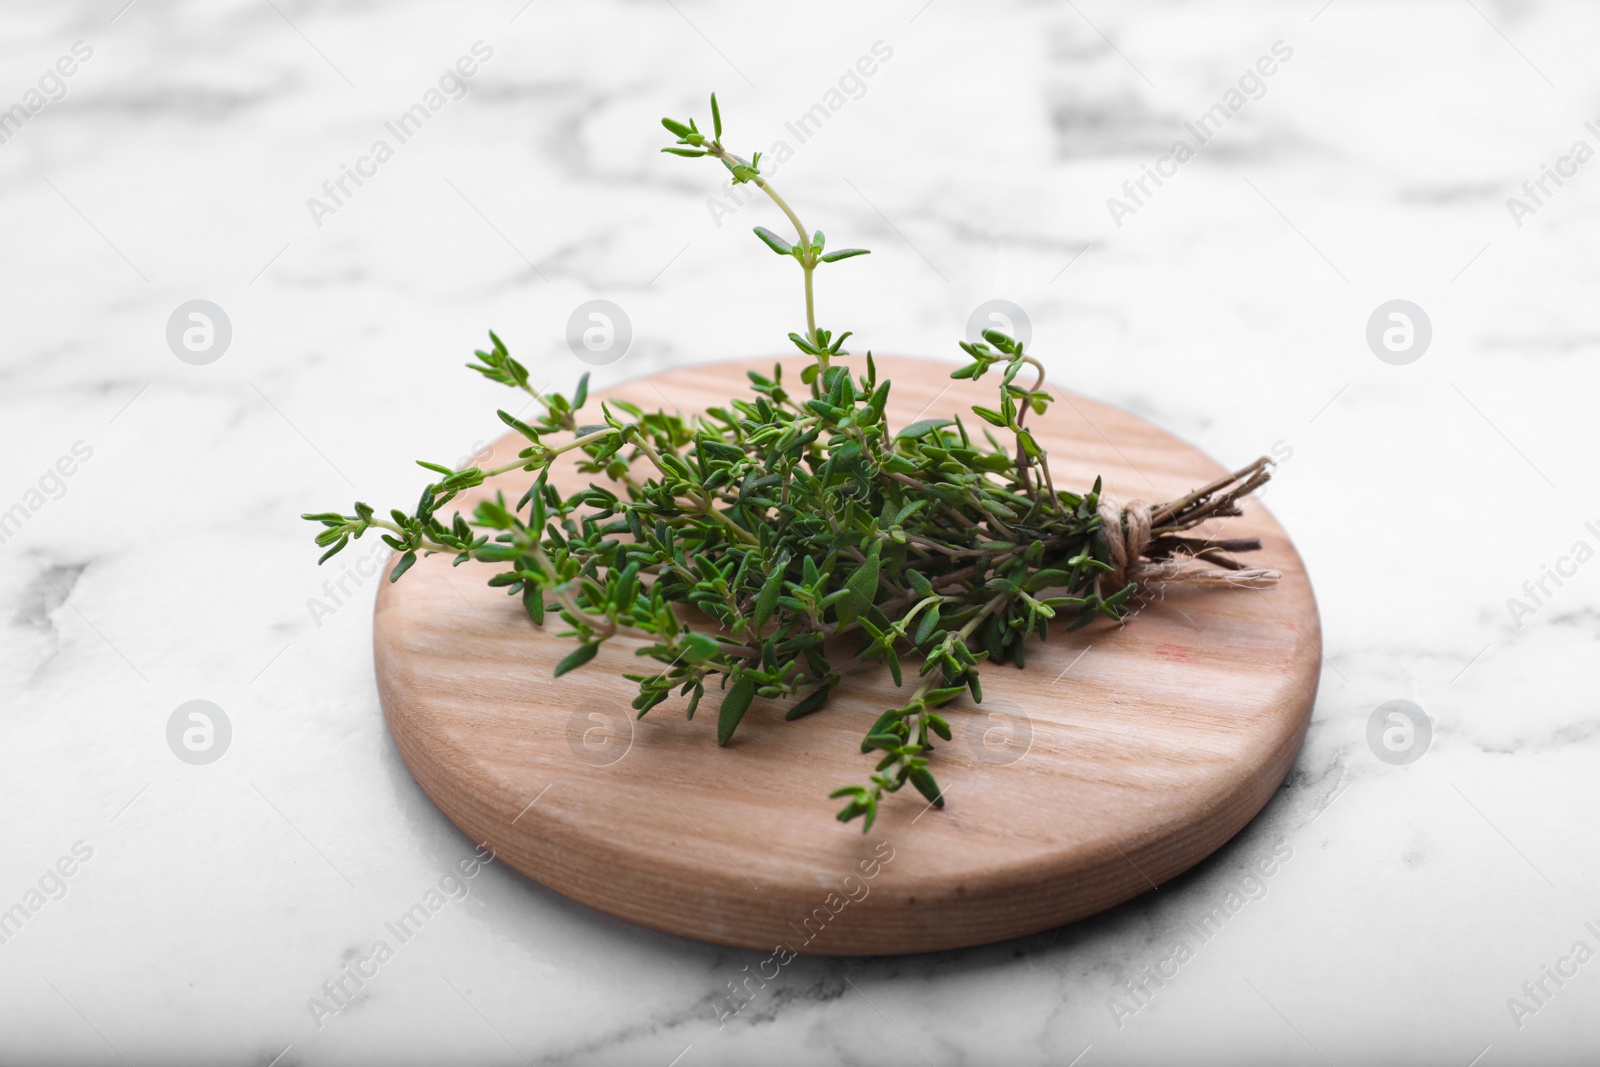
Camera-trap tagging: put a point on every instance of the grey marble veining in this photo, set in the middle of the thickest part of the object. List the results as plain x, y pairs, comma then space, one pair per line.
1429, 912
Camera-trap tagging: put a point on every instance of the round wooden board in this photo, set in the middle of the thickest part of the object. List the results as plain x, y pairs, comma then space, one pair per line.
1120, 757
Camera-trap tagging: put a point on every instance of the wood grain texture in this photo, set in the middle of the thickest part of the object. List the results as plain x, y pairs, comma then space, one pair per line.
1119, 758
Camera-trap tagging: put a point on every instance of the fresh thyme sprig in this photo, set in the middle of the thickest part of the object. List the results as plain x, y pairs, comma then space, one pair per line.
754, 546
808, 251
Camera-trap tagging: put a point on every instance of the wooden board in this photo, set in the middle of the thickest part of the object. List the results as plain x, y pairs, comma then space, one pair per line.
1119, 758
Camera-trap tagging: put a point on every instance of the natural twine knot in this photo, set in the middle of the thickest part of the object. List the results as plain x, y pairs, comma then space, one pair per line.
1127, 528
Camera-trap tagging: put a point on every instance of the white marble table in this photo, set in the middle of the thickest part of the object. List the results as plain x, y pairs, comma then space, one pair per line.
169, 912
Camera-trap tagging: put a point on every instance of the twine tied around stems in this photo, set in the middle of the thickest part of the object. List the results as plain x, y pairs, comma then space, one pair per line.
1170, 560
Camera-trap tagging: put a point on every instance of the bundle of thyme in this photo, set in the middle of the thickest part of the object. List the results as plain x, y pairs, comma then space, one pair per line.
753, 546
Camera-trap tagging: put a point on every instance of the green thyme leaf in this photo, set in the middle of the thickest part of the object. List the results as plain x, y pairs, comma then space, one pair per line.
577, 657
773, 241
734, 705
921, 428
